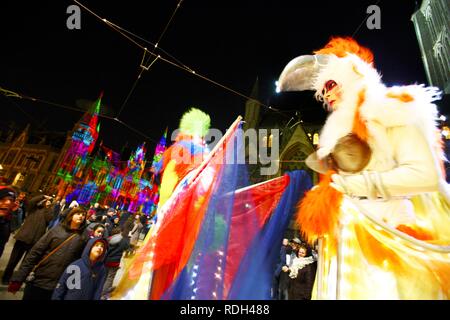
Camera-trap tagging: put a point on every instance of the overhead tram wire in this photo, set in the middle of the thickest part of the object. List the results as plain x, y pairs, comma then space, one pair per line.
183, 67
9, 93
156, 45
29, 116
360, 25
144, 63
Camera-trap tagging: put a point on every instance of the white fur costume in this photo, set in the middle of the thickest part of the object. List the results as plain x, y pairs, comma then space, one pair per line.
403, 185
402, 136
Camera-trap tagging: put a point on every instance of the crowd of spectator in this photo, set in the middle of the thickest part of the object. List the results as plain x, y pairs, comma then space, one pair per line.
65, 251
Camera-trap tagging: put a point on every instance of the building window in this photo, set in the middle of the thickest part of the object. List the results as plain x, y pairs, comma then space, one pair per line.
38, 161
446, 132
265, 141
18, 179
316, 139
21, 162
10, 157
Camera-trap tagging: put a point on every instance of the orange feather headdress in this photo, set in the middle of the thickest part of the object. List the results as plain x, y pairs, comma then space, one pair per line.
341, 47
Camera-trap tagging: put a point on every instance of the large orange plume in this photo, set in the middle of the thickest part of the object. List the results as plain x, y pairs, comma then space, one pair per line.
340, 47
319, 210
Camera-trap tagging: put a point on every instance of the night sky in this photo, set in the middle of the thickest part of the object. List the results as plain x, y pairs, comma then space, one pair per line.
230, 42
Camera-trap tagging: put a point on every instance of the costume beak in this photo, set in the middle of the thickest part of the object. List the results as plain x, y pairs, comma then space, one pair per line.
300, 72
318, 165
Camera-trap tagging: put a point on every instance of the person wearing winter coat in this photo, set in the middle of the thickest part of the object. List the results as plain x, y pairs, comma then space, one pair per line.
134, 233
19, 215
276, 276
8, 205
118, 244
291, 253
124, 218
58, 207
33, 228
84, 278
98, 231
49, 257
108, 221
302, 273
63, 214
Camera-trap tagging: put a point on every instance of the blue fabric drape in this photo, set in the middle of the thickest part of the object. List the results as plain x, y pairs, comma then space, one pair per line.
254, 278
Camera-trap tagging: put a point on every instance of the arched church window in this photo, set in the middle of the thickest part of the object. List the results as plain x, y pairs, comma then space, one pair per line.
316, 139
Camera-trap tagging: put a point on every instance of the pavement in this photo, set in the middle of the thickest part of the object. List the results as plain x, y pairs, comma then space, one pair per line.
4, 294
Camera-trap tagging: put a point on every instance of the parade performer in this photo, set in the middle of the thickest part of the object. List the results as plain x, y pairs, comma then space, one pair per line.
381, 210
186, 153
177, 162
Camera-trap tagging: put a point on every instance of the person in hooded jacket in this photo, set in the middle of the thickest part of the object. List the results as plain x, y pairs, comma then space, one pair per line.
91, 273
118, 244
49, 257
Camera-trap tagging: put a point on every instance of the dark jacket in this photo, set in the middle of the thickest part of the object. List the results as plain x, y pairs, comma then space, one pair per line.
17, 216
301, 287
64, 213
124, 218
92, 277
127, 226
34, 203
117, 245
56, 210
48, 273
34, 226
281, 262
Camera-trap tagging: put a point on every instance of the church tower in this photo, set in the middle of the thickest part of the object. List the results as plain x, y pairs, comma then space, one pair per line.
78, 148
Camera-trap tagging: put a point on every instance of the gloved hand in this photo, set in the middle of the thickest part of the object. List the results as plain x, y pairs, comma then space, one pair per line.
14, 286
